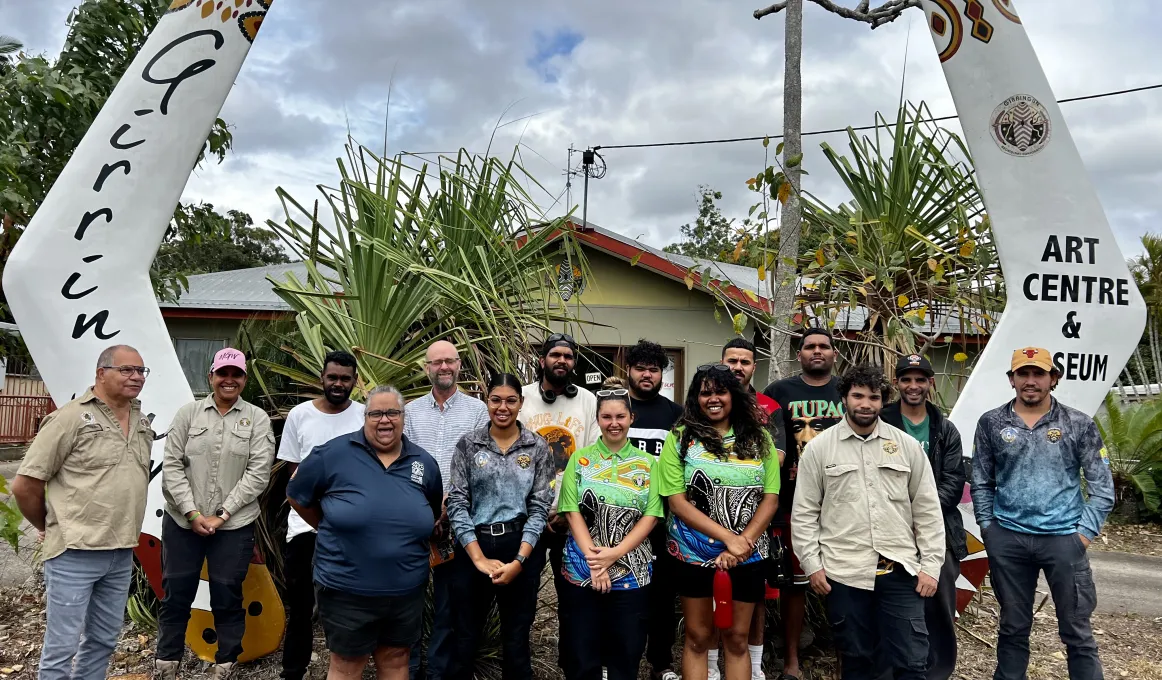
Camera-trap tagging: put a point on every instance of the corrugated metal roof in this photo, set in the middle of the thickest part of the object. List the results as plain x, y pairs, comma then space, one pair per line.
241, 289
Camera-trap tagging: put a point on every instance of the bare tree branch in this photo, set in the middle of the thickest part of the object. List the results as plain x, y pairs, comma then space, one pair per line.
885, 13
773, 9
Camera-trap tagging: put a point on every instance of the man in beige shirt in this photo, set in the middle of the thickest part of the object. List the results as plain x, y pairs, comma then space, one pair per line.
868, 530
217, 462
83, 485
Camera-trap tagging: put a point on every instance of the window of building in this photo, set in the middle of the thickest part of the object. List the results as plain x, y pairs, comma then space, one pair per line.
195, 356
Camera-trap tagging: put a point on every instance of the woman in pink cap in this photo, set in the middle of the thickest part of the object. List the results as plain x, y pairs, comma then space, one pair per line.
218, 454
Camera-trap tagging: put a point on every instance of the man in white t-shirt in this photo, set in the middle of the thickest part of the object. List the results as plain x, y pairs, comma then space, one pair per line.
308, 425
566, 416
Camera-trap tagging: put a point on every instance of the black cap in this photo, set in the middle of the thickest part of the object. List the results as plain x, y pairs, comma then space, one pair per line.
914, 362
557, 340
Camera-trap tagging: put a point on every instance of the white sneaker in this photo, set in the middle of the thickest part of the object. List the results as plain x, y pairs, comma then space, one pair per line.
165, 670
714, 673
758, 675
670, 675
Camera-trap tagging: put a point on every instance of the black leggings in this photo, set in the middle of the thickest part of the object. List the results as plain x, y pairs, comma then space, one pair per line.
603, 630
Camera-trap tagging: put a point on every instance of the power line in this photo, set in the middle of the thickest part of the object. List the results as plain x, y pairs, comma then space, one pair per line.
732, 140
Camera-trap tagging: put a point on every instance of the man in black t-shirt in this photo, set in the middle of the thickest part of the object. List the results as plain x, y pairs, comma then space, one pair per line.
653, 418
810, 403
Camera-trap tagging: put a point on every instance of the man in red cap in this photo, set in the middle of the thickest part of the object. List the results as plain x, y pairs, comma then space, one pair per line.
217, 461
1028, 460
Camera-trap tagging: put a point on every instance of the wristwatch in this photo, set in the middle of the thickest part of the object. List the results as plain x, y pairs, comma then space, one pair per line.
520, 559
221, 512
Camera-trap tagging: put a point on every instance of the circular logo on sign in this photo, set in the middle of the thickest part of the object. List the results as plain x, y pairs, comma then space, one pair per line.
1020, 125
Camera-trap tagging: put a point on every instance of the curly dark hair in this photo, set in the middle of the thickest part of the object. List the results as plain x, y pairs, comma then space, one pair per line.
750, 436
647, 353
865, 375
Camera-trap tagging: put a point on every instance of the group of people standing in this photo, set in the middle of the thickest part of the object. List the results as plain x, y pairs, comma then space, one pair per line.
636, 502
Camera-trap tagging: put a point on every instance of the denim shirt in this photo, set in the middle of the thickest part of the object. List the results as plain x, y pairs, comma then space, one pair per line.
489, 486
1028, 479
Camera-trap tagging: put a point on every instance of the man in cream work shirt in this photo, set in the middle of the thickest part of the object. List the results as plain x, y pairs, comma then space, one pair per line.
868, 531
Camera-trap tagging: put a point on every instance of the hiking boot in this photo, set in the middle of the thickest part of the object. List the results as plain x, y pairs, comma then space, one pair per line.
165, 670
221, 671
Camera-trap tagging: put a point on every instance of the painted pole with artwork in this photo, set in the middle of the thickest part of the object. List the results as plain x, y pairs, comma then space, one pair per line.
78, 280
1069, 289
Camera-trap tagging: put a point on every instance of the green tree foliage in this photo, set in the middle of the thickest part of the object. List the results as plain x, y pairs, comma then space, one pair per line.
201, 240
1133, 439
713, 236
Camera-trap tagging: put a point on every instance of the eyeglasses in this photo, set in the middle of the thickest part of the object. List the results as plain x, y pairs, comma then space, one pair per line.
511, 402
620, 392
390, 414
443, 362
708, 368
128, 371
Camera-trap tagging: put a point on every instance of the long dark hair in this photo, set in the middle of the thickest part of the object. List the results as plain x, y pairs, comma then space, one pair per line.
750, 437
503, 380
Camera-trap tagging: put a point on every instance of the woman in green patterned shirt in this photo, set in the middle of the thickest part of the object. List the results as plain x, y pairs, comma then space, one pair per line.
611, 507
719, 471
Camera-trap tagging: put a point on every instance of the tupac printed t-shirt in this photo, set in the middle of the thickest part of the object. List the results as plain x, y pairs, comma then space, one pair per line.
807, 410
727, 491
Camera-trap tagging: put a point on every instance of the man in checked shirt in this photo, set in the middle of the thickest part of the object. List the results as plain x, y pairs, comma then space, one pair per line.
435, 422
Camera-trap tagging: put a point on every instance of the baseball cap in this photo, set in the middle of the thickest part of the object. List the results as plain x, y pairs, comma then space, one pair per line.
558, 340
229, 357
914, 362
1033, 356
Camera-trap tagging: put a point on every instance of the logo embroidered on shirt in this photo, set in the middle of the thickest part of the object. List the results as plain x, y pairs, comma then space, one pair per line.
1053, 435
245, 422
417, 472
1009, 435
86, 418
524, 460
1105, 455
481, 458
891, 447
144, 421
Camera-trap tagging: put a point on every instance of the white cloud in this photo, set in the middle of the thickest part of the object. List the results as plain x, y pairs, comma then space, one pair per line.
641, 72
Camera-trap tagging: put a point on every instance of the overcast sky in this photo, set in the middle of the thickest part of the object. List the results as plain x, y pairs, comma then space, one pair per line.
603, 72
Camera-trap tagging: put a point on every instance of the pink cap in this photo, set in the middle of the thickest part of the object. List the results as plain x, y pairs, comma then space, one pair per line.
228, 357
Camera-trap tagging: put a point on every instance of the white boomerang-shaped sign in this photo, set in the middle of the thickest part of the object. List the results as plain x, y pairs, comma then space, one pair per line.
1068, 286
1069, 289
78, 280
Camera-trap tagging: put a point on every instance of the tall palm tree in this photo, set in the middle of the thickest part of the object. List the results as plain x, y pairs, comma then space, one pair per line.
9, 46
1147, 272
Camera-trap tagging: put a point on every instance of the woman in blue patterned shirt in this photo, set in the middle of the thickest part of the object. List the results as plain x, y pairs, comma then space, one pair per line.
611, 506
498, 504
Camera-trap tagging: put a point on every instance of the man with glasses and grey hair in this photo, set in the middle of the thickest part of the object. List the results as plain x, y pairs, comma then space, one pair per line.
374, 497
435, 422
83, 485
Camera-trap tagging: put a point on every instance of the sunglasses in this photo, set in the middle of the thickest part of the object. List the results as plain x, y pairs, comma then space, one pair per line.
710, 368
620, 392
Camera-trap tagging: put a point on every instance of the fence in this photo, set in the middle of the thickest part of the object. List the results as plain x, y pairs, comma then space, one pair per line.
23, 404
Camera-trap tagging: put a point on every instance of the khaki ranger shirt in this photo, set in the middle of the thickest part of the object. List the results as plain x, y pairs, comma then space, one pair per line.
857, 499
97, 478
217, 461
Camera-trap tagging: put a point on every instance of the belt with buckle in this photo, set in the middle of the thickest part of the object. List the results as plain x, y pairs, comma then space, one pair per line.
500, 528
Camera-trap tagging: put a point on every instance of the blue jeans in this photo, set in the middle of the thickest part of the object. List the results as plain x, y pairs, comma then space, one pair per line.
440, 639
87, 590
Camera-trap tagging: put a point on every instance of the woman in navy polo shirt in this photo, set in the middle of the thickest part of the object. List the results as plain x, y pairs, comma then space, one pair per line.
498, 504
375, 498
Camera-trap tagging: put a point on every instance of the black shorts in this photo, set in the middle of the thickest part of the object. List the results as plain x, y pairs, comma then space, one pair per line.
357, 625
747, 581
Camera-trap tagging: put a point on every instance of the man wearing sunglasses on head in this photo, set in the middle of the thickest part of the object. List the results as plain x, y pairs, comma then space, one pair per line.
82, 485
566, 416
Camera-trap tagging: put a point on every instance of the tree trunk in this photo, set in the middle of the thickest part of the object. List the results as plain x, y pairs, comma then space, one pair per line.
784, 275
1152, 326
1144, 376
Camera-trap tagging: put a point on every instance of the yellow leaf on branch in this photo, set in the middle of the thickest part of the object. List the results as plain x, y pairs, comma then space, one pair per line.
960, 357
902, 301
